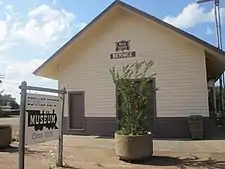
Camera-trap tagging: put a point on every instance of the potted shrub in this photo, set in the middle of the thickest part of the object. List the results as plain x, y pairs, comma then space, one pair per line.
133, 141
196, 126
5, 136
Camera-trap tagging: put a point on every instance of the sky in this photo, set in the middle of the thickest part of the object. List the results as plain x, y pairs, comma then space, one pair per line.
32, 30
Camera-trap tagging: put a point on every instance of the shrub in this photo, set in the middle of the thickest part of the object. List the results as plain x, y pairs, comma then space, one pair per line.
132, 85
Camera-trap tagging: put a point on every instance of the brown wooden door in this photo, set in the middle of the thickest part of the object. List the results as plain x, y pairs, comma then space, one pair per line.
151, 106
76, 110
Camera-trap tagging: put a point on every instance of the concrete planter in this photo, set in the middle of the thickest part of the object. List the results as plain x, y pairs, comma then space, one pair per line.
133, 147
5, 136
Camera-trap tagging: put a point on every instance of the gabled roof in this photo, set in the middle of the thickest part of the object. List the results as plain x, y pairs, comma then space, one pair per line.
144, 14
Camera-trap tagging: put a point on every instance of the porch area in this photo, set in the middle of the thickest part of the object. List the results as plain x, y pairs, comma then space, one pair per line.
215, 66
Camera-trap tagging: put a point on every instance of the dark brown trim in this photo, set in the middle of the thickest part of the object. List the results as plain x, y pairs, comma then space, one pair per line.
68, 104
178, 127
102, 126
144, 14
167, 127
171, 127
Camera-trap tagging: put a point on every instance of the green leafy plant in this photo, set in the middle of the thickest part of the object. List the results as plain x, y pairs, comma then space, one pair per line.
132, 85
16, 137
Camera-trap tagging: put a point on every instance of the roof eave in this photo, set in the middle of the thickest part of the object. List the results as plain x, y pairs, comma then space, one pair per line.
175, 29
148, 16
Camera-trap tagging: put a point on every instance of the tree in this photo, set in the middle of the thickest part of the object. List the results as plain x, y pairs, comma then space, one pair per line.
7, 98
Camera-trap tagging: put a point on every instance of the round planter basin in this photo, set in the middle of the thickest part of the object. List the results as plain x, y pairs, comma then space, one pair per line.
5, 136
133, 147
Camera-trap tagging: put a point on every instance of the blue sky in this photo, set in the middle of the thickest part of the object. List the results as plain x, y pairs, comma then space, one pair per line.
31, 31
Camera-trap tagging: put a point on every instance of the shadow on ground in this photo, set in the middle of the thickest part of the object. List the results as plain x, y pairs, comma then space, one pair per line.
104, 137
10, 149
159, 161
31, 152
195, 162
217, 137
14, 149
69, 167
6, 115
175, 139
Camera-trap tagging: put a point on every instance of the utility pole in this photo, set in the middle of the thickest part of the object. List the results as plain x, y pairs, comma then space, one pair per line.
1, 77
216, 4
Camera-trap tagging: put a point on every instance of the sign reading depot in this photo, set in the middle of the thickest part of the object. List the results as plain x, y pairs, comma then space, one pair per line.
43, 114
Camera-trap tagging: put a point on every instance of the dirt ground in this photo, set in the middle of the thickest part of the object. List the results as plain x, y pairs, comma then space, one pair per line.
82, 152
88, 152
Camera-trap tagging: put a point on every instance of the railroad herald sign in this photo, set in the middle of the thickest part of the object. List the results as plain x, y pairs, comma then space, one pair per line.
123, 50
42, 118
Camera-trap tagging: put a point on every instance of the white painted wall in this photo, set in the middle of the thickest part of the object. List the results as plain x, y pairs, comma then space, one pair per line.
179, 66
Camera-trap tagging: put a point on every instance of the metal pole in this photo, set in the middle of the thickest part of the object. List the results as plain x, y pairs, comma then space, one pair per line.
22, 124
219, 24
216, 23
60, 146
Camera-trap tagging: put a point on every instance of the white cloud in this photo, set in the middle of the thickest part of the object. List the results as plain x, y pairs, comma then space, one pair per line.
23, 67
54, 2
11, 87
80, 26
7, 37
16, 71
8, 28
41, 27
209, 31
45, 25
192, 15
9, 7
3, 30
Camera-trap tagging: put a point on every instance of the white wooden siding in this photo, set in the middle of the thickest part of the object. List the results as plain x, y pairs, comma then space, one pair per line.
179, 66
